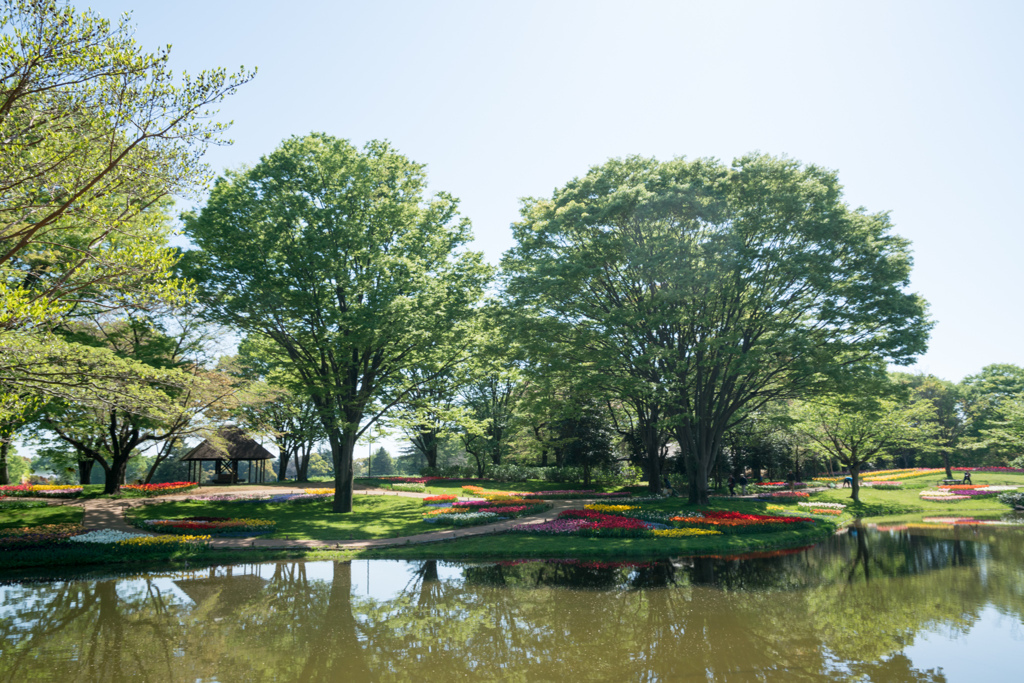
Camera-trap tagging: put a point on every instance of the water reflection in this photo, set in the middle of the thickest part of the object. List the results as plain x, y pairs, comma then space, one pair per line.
850, 609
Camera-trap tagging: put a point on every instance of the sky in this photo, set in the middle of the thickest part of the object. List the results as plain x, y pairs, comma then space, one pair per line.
916, 105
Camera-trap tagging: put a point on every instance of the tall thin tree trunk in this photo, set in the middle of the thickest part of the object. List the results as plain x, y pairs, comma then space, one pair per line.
161, 457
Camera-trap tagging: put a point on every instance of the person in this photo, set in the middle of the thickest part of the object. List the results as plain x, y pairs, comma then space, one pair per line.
967, 477
743, 483
848, 482
669, 491
732, 484
791, 480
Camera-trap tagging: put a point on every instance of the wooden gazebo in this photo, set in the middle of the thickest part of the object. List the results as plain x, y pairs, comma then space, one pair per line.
236, 448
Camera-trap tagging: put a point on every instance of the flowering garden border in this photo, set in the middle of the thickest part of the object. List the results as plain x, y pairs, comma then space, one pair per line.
214, 526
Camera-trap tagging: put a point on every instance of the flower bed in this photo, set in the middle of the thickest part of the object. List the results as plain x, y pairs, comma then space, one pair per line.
308, 496
1015, 470
884, 475
592, 523
894, 475
958, 492
768, 495
20, 538
775, 486
601, 507
124, 541
605, 525
431, 500
569, 494
445, 513
836, 506
215, 526
463, 518
684, 533
164, 489
740, 523
41, 491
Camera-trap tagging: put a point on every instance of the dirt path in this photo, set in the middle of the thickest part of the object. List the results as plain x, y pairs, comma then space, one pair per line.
109, 514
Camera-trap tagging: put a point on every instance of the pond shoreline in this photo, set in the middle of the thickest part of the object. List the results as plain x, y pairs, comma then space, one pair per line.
401, 533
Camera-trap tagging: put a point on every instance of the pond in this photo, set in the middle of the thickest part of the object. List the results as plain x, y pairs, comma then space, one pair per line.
908, 602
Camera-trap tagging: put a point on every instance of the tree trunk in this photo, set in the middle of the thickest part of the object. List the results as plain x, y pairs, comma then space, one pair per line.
115, 475
343, 444
85, 471
302, 465
650, 440
698, 478
5, 448
945, 460
283, 459
855, 484
161, 457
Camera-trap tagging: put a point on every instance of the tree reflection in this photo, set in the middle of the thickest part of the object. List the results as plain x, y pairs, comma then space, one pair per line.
845, 610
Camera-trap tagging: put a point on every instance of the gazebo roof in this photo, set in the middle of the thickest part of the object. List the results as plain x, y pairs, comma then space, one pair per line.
238, 447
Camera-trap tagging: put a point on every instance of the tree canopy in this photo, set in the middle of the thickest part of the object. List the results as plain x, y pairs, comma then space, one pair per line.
96, 134
352, 274
709, 288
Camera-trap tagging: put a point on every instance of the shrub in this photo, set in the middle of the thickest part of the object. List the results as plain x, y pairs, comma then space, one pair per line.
514, 472
413, 488
622, 475
450, 472
1012, 498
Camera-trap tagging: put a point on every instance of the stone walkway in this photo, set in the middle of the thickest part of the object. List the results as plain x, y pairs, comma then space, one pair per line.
109, 514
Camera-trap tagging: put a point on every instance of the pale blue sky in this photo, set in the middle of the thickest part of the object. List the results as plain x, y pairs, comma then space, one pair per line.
916, 104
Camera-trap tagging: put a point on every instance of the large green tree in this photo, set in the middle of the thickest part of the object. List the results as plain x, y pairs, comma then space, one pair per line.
709, 290
95, 132
986, 396
335, 255
855, 430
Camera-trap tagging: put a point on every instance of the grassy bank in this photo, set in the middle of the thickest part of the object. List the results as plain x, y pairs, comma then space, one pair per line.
54, 514
371, 517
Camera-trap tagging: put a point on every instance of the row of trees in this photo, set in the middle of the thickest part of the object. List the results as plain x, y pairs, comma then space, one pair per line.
678, 297
650, 311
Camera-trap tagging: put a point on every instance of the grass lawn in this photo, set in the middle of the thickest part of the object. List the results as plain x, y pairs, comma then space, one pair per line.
371, 517
907, 500
455, 487
59, 514
521, 546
